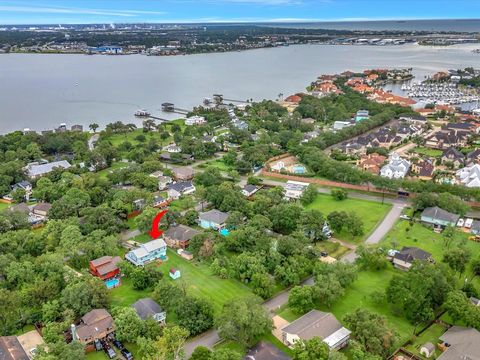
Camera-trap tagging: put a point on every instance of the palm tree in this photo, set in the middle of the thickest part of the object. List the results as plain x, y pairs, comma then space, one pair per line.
93, 127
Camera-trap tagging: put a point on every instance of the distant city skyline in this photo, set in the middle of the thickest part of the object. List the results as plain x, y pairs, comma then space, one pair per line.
211, 11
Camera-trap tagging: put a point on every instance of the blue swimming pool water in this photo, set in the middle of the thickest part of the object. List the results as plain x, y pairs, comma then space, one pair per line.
224, 232
299, 169
112, 283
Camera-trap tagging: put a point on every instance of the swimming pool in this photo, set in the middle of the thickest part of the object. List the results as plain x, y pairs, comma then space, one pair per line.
112, 283
299, 169
224, 232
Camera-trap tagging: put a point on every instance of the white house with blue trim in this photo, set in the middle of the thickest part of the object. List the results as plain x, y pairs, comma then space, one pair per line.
148, 252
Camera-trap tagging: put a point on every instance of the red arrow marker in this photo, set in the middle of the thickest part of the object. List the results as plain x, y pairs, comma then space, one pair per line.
156, 232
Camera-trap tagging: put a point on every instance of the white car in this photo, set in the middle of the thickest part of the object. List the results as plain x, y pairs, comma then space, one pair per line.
460, 222
468, 223
405, 217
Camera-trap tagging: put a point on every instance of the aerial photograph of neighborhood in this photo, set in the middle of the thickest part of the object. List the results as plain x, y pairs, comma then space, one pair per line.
240, 179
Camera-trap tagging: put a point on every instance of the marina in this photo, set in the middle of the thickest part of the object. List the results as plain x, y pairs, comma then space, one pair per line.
442, 93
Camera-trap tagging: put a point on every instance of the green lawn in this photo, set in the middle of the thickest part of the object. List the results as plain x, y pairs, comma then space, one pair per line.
100, 355
125, 295
200, 281
372, 213
4, 206
358, 295
217, 163
430, 335
427, 151
116, 165
333, 249
184, 203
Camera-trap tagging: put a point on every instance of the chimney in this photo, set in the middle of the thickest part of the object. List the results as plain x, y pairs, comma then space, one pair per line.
73, 330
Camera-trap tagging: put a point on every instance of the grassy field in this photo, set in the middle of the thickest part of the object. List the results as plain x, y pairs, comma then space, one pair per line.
425, 238
125, 295
430, 335
184, 203
370, 212
217, 163
427, 151
116, 165
200, 281
4, 206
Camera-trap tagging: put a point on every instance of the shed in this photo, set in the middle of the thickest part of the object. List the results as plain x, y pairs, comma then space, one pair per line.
174, 273
427, 349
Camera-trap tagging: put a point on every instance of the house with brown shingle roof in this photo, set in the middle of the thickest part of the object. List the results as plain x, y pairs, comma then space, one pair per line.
94, 325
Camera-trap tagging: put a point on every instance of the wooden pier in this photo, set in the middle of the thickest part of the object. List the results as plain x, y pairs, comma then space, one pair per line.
170, 107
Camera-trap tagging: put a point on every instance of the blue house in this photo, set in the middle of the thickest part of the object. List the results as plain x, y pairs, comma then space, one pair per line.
148, 252
362, 115
213, 219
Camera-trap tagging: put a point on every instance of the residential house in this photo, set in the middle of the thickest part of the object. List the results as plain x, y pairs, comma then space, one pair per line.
35, 170
183, 157
353, 148
310, 135
174, 273
94, 325
11, 349
454, 157
42, 209
30, 342
148, 252
159, 201
342, 124
266, 351
105, 267
446, 139
25, 186
294, 189
317, 324
473, 157
424, 169
176, 190
249, 190
148, 308
362, 115
460, 343
163, 182
397, 168
469, 176
179, 236
156, 174
371, 162
213, 219
183, 173
404, 258
418, 119
172, 148
77, 128
195, 120
438, 217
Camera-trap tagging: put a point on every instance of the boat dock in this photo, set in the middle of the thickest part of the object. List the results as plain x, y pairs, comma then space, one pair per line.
170, 107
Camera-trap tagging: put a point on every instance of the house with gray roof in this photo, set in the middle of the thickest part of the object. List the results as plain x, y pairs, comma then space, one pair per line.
148, 252
438, 217
147, 307
397, 168
213, 219
11, 349
404, 258
463, 344
453, 156
317, 324
35, 170
179, 236
180, 188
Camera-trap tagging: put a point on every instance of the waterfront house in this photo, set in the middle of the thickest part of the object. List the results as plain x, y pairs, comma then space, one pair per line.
105, 267
454, 157
469, 176
317, 324
174, 273
179, 236
397, 168
213, 219
35, 170
460, 343
404, 258
438, 217
94, 325
148, 252
195, 120
148, 308
294, 189
176, 190
183, 173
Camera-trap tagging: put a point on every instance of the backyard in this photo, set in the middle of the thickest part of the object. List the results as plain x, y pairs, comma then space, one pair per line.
430, 335
116, 165
372, 213
427, 151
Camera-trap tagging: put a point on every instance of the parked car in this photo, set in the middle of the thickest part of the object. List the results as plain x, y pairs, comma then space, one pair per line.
468, 223
117, 344
98, 345
108, 350
127, 354
460, 222
405, 217
324, 254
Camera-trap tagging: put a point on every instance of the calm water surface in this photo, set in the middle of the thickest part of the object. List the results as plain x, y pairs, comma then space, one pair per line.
42, 91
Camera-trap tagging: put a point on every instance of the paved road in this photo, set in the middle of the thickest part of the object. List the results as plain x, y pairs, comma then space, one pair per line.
92, 141
384, 227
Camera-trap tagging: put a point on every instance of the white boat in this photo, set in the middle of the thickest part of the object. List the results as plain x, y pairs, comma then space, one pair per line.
142, 113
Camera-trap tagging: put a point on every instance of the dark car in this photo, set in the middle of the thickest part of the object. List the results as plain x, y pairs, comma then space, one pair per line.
108, 350
324, 253
117, 344
127, 354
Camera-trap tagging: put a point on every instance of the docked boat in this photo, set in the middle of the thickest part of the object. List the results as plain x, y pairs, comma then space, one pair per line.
142, 113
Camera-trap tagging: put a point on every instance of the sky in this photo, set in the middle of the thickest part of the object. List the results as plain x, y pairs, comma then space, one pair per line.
168, 11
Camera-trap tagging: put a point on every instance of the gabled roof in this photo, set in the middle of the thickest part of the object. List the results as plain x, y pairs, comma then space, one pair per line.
180, 186
34, 169
453, 153
94, 323
154, 245
11, 349
146, 307
183, 171
314, 324
409, 254
464, 344
214, 216
440, 214
43, 206
181, 233
106, 264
